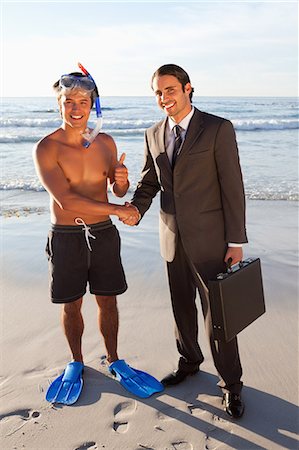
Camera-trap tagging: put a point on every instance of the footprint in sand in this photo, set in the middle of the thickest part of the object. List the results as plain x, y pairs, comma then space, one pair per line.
163, 417
35, 373
121, 411
22, 413
103, 360
144, 447
14, 420
219, 434
169, 413
181, 445
197, 410
87, 446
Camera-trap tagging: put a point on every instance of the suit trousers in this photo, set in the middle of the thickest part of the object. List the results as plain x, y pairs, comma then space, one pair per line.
184, 280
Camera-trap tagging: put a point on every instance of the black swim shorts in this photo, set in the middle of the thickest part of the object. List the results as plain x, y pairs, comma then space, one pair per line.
79, 254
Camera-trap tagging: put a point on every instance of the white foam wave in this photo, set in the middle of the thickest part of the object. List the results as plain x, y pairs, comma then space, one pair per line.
128, 124
15, 139
30, 123
269, 124
133, 124
10, 139
21, 185
261, 194
125, 132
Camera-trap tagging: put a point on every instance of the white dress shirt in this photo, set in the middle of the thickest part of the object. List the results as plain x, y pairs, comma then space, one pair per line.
169, 134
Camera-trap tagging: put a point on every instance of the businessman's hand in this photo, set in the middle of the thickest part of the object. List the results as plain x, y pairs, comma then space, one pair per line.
128, 214
132, 219
235, 254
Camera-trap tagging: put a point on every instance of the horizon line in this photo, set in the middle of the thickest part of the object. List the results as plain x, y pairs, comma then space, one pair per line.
150, 96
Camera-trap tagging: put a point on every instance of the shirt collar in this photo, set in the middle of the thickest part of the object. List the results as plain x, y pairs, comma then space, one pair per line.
183, 123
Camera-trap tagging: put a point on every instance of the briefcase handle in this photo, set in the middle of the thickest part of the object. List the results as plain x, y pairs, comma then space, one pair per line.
230, 268
229, 265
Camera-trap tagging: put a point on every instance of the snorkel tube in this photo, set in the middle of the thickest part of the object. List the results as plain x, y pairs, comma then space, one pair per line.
90, 137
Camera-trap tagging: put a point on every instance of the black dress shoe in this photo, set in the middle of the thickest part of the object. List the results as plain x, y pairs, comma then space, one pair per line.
233, 405
177, 377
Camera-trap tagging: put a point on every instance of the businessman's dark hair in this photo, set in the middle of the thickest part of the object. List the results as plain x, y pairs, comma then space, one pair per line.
176, 71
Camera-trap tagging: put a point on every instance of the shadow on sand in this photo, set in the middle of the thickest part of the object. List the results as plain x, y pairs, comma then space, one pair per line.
268, 416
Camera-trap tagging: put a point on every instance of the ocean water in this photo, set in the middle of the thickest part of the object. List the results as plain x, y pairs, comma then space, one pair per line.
266, 129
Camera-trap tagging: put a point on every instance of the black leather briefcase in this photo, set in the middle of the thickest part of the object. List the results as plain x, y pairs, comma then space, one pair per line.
236, 299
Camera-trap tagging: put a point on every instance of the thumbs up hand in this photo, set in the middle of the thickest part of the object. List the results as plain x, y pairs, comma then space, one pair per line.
121, 172
121, 159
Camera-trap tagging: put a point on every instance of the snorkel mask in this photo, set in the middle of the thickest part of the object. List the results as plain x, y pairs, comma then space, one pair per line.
88, 84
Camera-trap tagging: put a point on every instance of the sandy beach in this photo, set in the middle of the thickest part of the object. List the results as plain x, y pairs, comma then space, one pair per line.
186, 417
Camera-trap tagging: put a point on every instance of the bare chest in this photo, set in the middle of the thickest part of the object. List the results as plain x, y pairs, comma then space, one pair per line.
82, 165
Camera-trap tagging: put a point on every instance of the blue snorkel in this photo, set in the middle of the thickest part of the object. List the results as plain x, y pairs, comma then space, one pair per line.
90, 137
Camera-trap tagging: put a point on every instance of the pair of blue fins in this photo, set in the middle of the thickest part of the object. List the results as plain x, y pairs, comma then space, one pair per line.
67, 388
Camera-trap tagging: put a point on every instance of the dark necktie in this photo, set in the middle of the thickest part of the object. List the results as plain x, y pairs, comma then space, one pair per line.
177, 130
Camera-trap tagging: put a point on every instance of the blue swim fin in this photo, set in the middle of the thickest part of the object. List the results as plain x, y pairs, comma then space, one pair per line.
67, 388
135, 381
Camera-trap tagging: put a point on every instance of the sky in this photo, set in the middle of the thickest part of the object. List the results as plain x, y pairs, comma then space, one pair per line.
228, 48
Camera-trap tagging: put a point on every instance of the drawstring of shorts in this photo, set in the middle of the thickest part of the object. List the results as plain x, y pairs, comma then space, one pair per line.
86, 229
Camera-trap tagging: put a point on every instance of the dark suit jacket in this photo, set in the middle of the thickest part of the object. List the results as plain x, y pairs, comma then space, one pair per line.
202, 199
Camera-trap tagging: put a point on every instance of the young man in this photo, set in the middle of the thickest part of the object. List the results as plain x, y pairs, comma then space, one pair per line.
192, 157
83, 245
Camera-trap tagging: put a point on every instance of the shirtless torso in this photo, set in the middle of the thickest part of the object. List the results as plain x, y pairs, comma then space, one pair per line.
77, 178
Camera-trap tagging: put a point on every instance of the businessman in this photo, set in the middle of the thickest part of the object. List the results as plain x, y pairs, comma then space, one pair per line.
192, 158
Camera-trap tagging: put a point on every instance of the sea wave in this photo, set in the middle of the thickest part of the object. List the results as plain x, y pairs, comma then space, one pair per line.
127, 124
10, 139
125, 132
265, 125
22, 185
294, 197
19, 138
30, 123
252, 194
56, 110
136, 124
46, 110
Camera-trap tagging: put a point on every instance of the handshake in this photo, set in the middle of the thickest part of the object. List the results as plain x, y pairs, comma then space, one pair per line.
128, 214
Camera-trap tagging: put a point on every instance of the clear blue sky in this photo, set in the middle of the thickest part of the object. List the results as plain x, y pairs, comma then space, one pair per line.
228, 48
